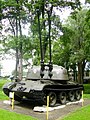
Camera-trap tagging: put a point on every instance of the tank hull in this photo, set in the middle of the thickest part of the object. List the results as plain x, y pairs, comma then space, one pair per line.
39, 90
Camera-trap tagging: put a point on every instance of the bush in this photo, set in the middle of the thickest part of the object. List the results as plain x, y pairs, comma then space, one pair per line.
86, 88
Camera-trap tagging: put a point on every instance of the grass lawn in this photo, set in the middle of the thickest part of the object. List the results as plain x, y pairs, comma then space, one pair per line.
80, 114
2, 95
87, 91
6, 115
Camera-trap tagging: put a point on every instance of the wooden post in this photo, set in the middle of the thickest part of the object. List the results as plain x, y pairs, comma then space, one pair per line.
12, 100
82, 98
47, 106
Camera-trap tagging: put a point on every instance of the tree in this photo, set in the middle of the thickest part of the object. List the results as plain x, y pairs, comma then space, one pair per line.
17, 11
78, 40
43, 7
13, 12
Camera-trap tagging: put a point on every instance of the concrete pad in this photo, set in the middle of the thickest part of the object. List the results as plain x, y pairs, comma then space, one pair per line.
44, 108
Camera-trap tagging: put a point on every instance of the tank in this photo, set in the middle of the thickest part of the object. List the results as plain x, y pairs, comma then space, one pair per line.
58, 88
46, 79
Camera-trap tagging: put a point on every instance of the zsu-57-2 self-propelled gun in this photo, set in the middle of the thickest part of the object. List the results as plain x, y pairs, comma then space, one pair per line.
46, 79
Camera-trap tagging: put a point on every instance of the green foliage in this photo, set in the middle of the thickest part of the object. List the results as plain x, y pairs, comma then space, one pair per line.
79, 40
24, 12
74, 44
55, 21
87, 1
60, 54
87, 88
87, 91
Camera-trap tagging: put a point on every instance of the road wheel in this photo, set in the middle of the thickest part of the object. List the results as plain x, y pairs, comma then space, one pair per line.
62, 97
78, 95
71, 96
52, 99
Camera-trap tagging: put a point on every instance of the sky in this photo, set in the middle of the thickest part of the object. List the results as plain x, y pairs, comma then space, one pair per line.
9, 64
8, 67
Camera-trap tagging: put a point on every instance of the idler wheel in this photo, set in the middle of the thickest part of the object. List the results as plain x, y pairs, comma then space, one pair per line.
62, 97
52, 99
78, 95
71, 96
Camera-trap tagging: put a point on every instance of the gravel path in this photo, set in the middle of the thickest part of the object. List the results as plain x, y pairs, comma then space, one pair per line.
27, 109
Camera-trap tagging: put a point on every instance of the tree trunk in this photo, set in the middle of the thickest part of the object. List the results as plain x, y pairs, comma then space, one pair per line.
80, 80
83, 67
17, 58
17, 63
21, 54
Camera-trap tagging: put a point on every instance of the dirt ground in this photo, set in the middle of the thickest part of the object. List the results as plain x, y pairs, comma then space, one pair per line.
26, 107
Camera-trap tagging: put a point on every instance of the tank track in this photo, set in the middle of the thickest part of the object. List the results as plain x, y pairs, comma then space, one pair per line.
62, 95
